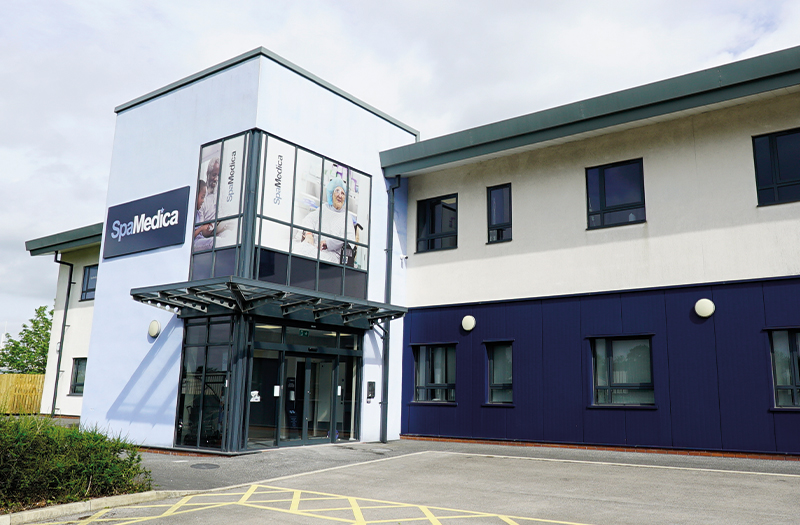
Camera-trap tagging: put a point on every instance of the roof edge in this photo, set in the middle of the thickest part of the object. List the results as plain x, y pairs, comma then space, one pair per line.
77, 238
259, 52
694, 89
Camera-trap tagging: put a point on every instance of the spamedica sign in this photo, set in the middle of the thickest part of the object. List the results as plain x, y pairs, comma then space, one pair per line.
146, 224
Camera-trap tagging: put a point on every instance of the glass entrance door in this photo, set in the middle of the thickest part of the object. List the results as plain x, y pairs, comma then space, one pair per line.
308, 406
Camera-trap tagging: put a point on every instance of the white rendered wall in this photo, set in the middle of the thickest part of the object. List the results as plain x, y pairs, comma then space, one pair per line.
299, 111
76, 336
131, 379
703, 222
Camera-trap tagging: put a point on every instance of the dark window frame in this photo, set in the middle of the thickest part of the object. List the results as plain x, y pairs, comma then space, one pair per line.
603, 209
794, 369
501, 230
608, 374
767, 166
425, 239
493, 387
428, 390
87, 293
74, 384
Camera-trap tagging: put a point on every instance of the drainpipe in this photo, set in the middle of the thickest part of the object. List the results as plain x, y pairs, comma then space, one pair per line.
387, 294
63, 331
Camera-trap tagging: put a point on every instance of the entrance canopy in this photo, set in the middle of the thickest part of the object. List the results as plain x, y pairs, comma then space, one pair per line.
227, 295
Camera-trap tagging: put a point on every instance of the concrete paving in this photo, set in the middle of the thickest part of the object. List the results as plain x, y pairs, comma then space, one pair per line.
432, 482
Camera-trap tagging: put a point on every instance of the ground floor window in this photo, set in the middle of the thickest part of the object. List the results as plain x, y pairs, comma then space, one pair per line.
435, 377
78, 375
500, 375
786, 367
623, 373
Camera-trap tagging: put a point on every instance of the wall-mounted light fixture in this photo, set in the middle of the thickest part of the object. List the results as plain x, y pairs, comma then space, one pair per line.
704, 308
154, 329
468, 323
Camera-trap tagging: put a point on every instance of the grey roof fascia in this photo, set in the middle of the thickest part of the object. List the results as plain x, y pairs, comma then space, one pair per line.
724, 83
262, 51
58, 242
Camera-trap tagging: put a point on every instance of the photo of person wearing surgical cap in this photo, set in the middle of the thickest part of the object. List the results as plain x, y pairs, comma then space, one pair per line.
334, 222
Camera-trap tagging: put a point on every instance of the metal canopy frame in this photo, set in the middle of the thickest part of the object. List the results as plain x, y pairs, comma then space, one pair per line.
248, 296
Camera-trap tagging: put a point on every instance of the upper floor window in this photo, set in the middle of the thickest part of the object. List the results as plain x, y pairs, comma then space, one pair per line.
615, 194
786, 367
89, 282
499, 209
777, 158
623, 373
437, 223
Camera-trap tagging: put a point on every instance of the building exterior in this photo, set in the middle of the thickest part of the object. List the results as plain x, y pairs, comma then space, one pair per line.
628, 209
618, 271
77, 252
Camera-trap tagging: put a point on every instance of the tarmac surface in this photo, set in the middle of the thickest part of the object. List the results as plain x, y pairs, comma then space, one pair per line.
452, 483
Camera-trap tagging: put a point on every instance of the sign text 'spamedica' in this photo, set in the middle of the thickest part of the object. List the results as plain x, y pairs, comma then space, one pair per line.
146, 224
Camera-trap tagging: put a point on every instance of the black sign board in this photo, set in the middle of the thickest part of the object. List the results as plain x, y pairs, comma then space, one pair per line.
147, 224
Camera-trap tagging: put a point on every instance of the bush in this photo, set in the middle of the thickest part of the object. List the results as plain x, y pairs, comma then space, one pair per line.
42, 463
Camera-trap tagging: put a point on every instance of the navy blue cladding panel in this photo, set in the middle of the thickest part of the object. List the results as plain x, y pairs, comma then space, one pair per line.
782, 303
563, 398
787, 431
601, 315
424, 420
694, 393
745, 379
645, 312
526, 421
407, 378
491, 422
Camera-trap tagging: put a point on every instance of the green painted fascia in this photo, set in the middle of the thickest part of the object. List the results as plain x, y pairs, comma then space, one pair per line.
58, 242
724, 83
258, 52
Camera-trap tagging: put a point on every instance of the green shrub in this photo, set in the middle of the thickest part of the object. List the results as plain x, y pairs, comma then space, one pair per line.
42, 463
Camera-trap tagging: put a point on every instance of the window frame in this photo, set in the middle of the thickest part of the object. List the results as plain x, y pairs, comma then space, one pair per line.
492, 387
604, 209
611, 385
772, 169
87, 294
794, 359
423, 358
74, 384
498, 228
424, 210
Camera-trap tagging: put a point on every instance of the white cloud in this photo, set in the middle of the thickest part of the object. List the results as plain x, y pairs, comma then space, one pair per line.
438, 66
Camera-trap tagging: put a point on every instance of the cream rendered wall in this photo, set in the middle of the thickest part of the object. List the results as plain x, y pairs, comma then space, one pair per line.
76, 335
703, 223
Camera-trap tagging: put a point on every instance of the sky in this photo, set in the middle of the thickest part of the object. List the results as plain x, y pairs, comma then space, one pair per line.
439, 66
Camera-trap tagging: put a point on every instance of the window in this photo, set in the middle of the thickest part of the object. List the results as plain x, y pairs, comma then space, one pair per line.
500, 376
499, 209
777, 158
615, 194
786, 367
437, 223
78, 376
435, 374
89, 282
622, 372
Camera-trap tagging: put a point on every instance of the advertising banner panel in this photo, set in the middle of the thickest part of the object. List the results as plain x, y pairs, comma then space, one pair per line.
146, 224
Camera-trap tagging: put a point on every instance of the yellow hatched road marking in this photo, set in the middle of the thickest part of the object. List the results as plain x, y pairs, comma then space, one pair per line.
338, 503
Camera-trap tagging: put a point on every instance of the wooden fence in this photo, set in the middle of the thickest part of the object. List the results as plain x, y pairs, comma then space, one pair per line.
21, 393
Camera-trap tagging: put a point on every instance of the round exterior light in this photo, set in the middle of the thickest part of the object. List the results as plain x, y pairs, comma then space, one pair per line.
468, 323
704, 307
154, 329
